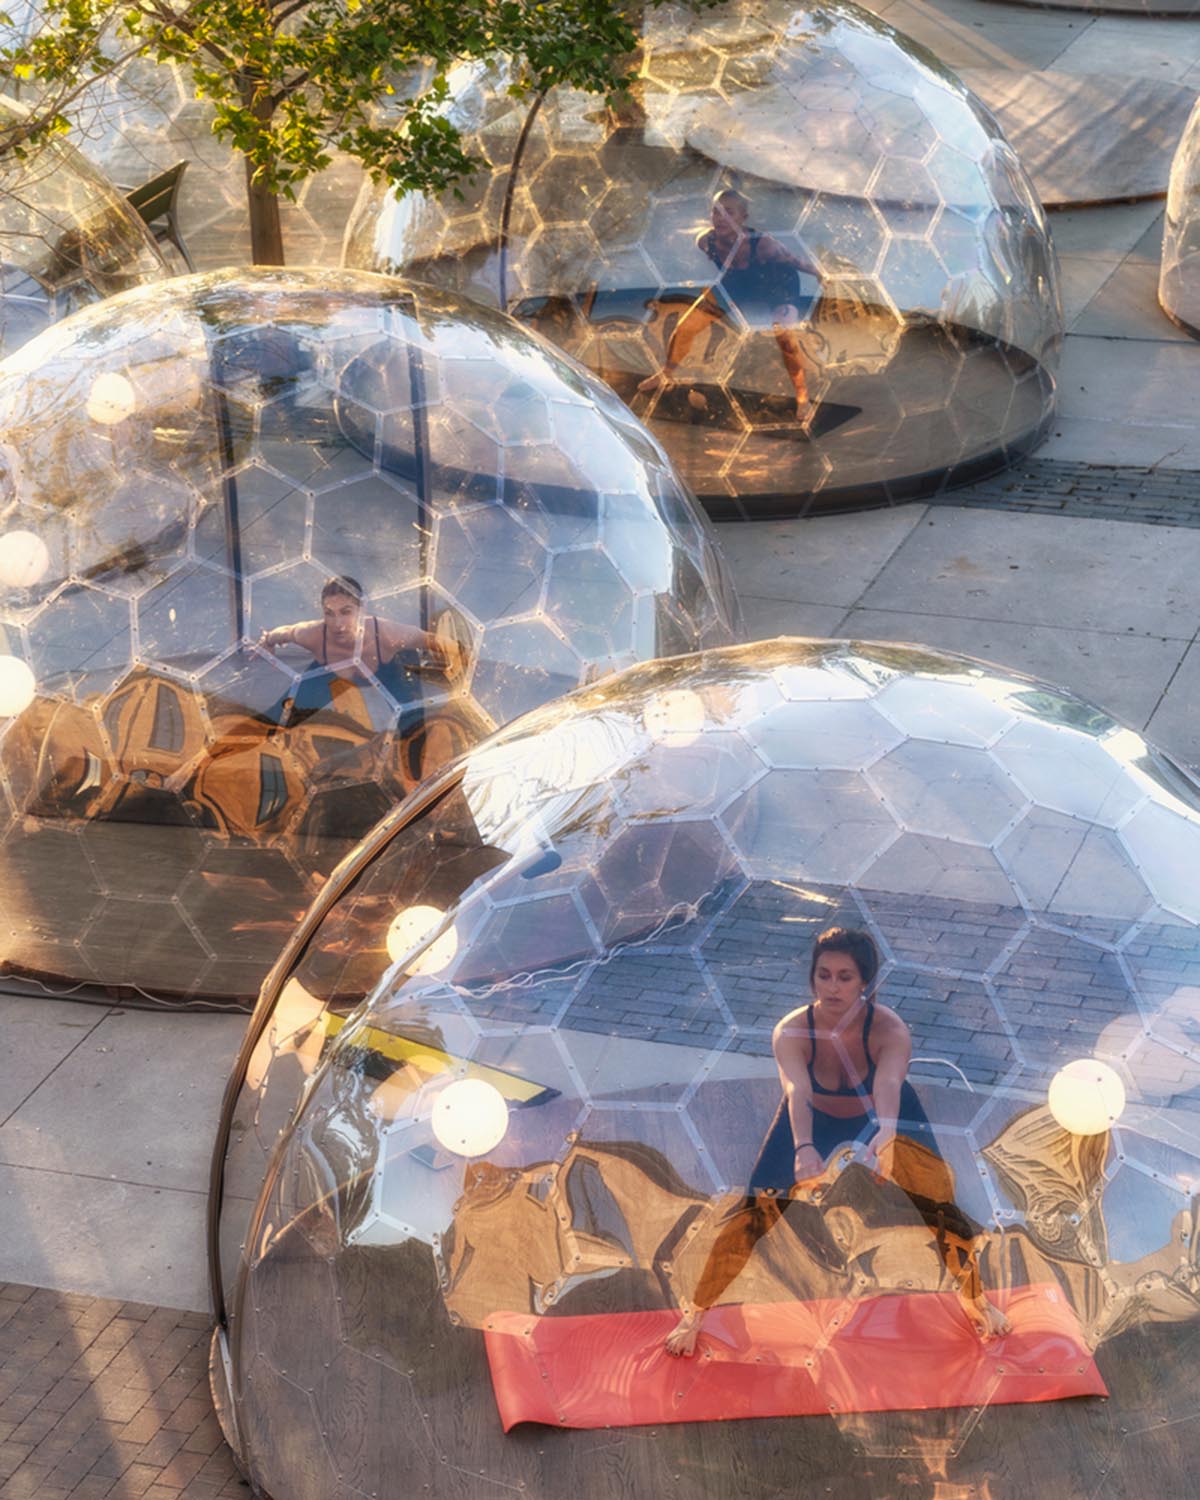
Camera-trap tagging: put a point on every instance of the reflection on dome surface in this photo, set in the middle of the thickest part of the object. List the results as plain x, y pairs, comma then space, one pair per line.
1179, 276
67, 238
211, 725
473, 1185
802, 252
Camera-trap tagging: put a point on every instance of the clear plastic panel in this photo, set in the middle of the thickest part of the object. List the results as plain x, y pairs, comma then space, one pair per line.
1179, 275
68, 238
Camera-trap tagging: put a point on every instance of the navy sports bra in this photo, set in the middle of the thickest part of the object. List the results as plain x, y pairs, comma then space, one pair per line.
768, 282
849, 1090
396, 676
325, 643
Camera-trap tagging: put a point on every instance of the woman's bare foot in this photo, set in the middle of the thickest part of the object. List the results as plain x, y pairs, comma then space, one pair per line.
682, 1338
986, 1318
657, 382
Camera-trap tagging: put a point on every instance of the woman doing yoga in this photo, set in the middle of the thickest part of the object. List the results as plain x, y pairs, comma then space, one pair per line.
347, 644
758, 275
843, 1063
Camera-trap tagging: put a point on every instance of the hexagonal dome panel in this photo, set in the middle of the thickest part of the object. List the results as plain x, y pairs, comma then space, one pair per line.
313, 550
800, 249
950, 791
562, 1113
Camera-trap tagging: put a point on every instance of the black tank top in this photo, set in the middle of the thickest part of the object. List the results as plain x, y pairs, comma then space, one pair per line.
849, 1090
767, 282
394, 675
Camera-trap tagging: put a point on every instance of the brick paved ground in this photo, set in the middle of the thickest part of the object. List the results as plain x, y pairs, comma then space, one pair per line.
1155, 497
106, 1399
1000, 1000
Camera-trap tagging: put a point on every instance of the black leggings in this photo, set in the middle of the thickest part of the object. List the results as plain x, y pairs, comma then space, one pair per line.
775, 1167
773, 1176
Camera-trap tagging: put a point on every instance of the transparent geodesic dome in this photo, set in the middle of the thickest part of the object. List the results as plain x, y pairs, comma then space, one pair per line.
182, 469
68, 238
1179, 273
885, 320
504, 1093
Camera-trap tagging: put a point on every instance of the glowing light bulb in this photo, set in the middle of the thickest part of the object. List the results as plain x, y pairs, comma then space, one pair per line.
1086, 1097
411, 927
470, 1117
17, 686
676, 716
24, 558
111, 399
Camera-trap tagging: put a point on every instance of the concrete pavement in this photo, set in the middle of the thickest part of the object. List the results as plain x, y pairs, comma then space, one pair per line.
106, 1126
1107, 609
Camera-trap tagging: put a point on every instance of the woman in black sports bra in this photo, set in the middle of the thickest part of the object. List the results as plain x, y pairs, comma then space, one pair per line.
346, 644
843, 1061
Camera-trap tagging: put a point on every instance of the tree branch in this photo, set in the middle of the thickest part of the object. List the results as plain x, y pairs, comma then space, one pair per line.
180, 22
292, 86
39, 115
291, 9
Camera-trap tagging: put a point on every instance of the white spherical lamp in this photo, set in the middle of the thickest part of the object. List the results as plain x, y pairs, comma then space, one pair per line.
24, 558
111, 399
17, 686
1086, 1097
470, 1117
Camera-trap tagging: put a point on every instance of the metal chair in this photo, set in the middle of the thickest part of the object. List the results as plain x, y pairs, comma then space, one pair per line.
156, 201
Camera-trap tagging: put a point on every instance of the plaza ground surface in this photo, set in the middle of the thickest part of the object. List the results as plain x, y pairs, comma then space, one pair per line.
1079, 566
100, 1397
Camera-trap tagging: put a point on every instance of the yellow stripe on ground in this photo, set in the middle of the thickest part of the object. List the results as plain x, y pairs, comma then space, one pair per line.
432, 1060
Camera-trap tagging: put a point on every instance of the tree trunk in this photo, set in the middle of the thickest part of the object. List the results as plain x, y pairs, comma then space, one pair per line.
266, 232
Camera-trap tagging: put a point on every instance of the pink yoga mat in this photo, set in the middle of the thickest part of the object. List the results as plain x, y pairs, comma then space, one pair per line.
895, 1353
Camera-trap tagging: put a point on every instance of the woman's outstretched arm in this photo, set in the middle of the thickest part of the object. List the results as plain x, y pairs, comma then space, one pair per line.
306, 633
891, 1044
789, 1044
769, 249
395, 637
